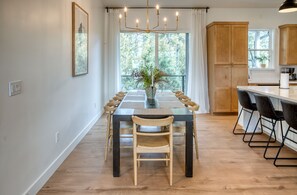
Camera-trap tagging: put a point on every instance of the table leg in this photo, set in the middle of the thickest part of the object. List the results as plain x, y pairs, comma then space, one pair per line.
116, 147
189, 149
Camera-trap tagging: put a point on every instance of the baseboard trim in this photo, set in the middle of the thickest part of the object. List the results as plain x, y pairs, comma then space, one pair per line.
50, 170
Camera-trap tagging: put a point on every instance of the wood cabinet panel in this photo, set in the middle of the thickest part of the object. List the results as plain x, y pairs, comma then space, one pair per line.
222, 44
239, 78
288, 44
223, 100
239, 44
222, 77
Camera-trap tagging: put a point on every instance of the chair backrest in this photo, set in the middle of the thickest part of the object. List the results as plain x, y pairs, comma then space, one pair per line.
113, 103
163, 122
118, 98
290, 113
265, 107
193, 106
244, 99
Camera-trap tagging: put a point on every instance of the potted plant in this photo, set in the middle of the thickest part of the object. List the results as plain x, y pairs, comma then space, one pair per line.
149, 77
263, 60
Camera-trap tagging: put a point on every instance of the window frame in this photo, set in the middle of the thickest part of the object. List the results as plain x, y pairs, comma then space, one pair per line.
187, 46
270, 50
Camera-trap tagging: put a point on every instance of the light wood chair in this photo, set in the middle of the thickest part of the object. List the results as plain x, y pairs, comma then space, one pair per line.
125, 131
152, 142
184, 99
118, 98
109, 110
180, 130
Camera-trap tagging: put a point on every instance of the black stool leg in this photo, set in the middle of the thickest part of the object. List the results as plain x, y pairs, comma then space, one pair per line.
247, 127
237, 123
254, 133
279, 150
267, 146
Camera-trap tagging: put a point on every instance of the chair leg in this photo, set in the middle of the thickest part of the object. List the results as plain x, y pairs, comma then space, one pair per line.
135, 167
267, 146
234, 128
279, 150
138, 162
254, 133
167, 156
171, 167
107, 140
196, 143
247, 127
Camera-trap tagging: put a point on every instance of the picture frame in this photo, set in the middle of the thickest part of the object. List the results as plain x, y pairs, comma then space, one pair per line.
80, 40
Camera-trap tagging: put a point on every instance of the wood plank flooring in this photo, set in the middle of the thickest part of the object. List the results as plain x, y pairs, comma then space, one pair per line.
226, 165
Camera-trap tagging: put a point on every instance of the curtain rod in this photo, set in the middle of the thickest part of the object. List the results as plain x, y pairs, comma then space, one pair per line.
207, 8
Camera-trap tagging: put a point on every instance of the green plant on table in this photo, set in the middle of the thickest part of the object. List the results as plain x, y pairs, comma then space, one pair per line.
149, 76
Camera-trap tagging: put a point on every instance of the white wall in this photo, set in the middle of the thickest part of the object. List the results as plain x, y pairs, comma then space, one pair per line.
35, 47
257, 18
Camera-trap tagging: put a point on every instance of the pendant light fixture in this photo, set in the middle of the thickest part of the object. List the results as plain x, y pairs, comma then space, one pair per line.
288, 6
148, 28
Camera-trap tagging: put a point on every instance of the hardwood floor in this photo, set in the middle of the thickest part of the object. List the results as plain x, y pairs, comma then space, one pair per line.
226, 165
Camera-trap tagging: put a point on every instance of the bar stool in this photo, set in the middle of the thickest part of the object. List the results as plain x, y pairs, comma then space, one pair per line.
267, 111
247, 106
290, 115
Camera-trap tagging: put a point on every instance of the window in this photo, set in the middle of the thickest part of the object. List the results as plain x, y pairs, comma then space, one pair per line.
166, 51
260, 49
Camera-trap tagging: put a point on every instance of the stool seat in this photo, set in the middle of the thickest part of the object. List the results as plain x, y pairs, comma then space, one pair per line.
280, 115
253, 107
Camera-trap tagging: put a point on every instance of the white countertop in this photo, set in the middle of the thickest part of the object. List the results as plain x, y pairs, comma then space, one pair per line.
274, 91
267, 81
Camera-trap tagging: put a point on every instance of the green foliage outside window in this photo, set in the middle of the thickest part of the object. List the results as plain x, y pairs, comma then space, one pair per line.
143, 49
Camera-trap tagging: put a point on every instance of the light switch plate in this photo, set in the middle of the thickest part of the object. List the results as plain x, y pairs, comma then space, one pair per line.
14, 88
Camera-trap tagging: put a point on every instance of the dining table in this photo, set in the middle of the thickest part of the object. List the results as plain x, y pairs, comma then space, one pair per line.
164, 104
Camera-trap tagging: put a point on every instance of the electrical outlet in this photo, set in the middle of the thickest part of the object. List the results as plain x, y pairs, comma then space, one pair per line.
14, 88
57, 136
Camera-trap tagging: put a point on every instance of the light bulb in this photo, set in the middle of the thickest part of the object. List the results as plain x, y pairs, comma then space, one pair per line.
120, 16
165, 19
157, 6
125, 9
177, 14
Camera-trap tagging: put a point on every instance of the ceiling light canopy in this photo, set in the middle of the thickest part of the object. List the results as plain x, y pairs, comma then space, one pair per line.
288, 6
148, 27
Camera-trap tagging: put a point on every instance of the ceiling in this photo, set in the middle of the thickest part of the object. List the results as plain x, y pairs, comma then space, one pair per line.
197, 3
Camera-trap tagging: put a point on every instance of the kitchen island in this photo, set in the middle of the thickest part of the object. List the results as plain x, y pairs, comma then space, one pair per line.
276, 94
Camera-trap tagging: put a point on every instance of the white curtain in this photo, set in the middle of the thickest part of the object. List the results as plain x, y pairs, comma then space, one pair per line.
198, 79
112, 81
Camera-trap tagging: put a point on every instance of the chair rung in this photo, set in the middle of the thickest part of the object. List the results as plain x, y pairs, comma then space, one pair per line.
153, 159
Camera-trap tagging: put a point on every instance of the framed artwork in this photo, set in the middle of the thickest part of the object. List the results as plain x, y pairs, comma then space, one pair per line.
80, 40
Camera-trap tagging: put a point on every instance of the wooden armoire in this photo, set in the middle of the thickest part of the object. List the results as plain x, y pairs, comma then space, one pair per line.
227, 47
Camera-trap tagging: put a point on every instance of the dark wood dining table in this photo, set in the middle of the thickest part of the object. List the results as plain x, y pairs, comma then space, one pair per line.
164, 104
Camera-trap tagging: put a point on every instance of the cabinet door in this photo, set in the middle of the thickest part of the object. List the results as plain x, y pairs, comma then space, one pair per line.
239, 44
223, 44
292, 46
222, 93
239, 77
288, 45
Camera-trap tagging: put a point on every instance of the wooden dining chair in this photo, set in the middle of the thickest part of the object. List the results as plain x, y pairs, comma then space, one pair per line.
180, 129
152, 142
125, 130
184, 99
109, 110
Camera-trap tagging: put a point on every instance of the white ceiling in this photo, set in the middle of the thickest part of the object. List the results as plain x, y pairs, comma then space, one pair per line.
197, 3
